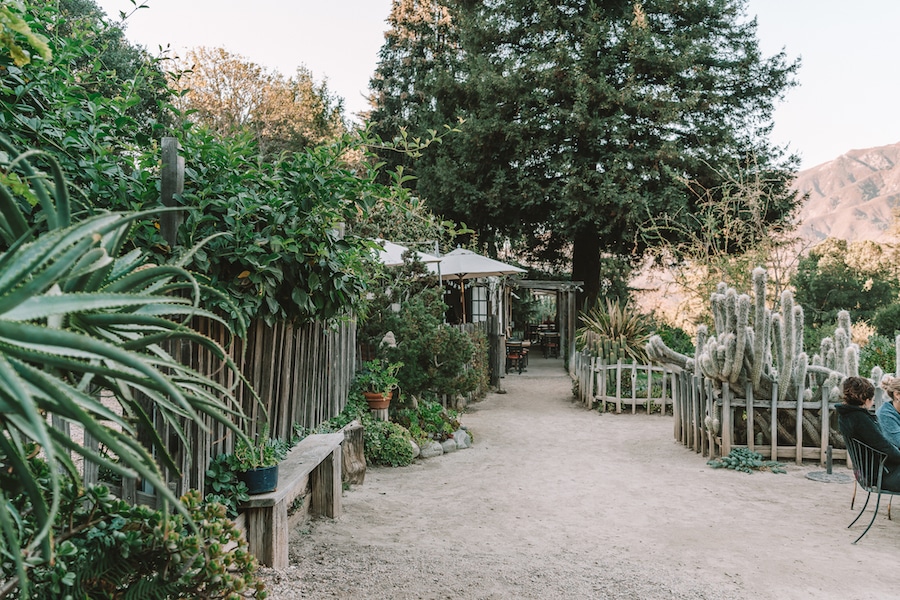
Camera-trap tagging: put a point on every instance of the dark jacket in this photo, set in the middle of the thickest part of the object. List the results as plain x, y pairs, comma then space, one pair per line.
857, 422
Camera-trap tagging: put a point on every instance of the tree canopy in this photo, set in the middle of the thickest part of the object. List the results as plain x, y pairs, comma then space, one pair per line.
583, 122
836, 275
231, 94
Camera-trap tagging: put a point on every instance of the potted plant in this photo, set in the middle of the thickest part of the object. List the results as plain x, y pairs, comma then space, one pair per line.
256, 463
378, 380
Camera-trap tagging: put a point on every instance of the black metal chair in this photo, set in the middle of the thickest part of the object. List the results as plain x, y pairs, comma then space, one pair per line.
868, 469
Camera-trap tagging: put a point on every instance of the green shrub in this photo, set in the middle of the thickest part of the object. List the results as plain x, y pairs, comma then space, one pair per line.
887, 320
434, 355
676, 338
387, 444
223, 486
429, 421
880, 350
107, 547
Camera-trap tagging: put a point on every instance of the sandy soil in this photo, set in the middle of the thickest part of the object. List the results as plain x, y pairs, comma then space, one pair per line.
555, 501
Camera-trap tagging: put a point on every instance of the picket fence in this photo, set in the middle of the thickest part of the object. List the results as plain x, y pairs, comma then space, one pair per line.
712, 419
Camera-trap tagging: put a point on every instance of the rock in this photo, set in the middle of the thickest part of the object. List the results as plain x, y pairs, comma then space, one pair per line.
431, 449
449, 446
416, 450
389, 340
463, 439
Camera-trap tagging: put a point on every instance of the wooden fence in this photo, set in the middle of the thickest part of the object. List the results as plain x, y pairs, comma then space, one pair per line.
302, 376
712, 419
622, 384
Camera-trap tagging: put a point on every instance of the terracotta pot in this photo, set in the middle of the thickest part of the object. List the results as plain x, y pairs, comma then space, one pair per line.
377, 401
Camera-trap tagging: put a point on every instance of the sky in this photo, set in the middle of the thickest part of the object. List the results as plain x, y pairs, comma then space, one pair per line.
849, 79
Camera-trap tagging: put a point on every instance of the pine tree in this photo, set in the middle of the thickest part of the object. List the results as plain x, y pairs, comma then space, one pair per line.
585, 121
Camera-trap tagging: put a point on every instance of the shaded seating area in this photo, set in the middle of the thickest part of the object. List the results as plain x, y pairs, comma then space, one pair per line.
517, 355
550, 342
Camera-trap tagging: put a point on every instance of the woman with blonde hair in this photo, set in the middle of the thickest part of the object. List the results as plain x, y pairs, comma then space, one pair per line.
889, 413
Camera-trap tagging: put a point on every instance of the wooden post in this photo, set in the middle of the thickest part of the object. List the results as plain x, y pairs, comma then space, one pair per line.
676, 408
727, 421
618, 386
751, 427
353, 467
171, 183
325, 483
495, 351
798, 449
825, 442
773, 423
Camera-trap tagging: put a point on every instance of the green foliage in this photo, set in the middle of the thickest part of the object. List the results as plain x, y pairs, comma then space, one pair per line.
79, 317
675, 338
275, 248
572, 165
356, 409
16, 34
282, 255
434, 354
114, 550
387, 444
223, 485
378, 376
837, 276
878, 351
428, 421
615, 330
887, 320
746, 461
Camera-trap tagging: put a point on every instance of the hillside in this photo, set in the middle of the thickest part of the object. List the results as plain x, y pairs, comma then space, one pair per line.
852, 197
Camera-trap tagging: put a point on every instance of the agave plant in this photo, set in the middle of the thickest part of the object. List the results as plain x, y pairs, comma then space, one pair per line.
77, 319
616, 330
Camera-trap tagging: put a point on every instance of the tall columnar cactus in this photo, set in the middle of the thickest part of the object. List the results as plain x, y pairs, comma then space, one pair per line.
761, 326
788, 341
767, 351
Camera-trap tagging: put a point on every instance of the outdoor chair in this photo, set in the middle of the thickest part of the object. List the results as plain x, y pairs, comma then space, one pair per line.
550, 345
516, 356
868, 469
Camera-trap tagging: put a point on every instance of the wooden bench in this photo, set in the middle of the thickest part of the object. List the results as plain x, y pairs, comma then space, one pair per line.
315, 465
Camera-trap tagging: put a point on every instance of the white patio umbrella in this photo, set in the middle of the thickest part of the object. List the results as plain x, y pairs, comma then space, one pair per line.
391, 254
462, 264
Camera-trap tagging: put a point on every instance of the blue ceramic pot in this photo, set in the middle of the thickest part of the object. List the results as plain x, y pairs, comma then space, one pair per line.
260, 480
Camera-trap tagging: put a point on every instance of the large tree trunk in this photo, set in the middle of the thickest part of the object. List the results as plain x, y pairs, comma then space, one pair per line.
586, 267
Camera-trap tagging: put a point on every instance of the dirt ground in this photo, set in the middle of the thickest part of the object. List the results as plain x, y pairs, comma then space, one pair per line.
555, 501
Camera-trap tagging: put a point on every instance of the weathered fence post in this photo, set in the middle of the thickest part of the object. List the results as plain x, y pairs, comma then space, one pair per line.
171, 183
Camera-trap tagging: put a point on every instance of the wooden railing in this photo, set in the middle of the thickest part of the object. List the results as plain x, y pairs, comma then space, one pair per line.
623, 384
712, 419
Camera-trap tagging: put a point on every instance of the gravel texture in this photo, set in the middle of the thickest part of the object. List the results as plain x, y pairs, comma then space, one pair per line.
555, 501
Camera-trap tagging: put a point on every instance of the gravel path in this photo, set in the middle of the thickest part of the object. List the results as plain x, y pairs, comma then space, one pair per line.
555, 501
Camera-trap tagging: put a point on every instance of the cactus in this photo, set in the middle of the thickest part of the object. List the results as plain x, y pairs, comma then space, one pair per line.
788, 343
766, 351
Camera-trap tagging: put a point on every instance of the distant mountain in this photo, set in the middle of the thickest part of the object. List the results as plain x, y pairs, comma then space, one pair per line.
852, 197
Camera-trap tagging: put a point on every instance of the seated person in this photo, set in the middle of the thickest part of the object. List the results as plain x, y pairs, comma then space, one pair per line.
855, 421
888, 414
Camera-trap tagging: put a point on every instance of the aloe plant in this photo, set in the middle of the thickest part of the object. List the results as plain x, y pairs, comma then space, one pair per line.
614, 330
78, 318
